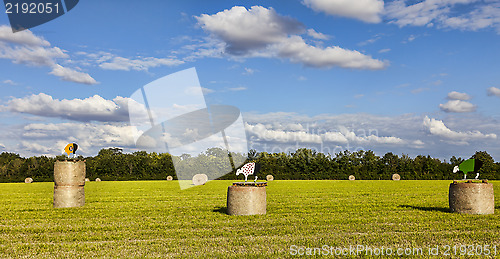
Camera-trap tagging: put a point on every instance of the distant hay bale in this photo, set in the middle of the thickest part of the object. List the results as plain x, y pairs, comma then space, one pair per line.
396, 177
28, 180
200, 179
97, 179
269, 178
352, 178
170, 178
87, 179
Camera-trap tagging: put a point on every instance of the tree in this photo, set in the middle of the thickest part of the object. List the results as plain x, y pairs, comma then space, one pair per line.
488, 169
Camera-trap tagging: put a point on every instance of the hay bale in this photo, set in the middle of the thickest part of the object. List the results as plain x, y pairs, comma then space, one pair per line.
97, 179
170, 178
246, 200
200, 179
352, 178
69, 196
69, 173
269, 178
396, 177
28, 180
87, 180
472, 198
69, 182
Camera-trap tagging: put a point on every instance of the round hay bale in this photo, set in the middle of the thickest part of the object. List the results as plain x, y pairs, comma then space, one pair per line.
97, 179
170, 178
472, 198
352, 178
246, 200
69, 182
200, 179
69, 196
87, 179
69, 173
269, 178
28, 180
396, 177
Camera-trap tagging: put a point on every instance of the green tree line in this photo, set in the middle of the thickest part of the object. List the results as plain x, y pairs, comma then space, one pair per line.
304, 164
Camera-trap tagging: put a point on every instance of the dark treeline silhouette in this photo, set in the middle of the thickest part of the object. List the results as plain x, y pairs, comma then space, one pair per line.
304, 164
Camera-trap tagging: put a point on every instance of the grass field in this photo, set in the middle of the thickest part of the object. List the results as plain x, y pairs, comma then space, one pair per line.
157, 219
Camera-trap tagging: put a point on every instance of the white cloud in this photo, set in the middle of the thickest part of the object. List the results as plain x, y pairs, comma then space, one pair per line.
493, 91
9, 82
454, 95
35, 148
364, 10
25, 37
68, 74
239, 88
458, 106
51, 138
261, 32
418, 14
138, 64
384, 50
419, 90
335, 137
401, 134
31, 55
411, 38
438, 128
248, 71
275, 132
207, 90
483, 17
370, 41
28, 49
265, 134
246, 30
317, 35
298, 51
418, 143
92, 108
475, 14
369, 139
298, 133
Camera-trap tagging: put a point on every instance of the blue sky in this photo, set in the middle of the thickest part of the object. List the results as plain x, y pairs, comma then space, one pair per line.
413, 77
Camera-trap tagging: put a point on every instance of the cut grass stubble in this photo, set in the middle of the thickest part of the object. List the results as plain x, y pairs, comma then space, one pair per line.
157, 219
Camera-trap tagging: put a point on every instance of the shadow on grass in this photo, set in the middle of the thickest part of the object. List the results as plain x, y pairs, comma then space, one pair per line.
222, 210
441, 209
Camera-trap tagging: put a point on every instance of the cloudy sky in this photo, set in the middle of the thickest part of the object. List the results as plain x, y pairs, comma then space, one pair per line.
412, 77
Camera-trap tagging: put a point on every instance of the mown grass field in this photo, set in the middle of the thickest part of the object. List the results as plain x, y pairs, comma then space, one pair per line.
157, 219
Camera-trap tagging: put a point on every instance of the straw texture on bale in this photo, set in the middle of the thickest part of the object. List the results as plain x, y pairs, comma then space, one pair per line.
69, 182
200, 179
246, 200
396, 177
352, 178
269, 178
28, 180
69, 196
87, 180
170, 178
97, 179
69, 173
472, 198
